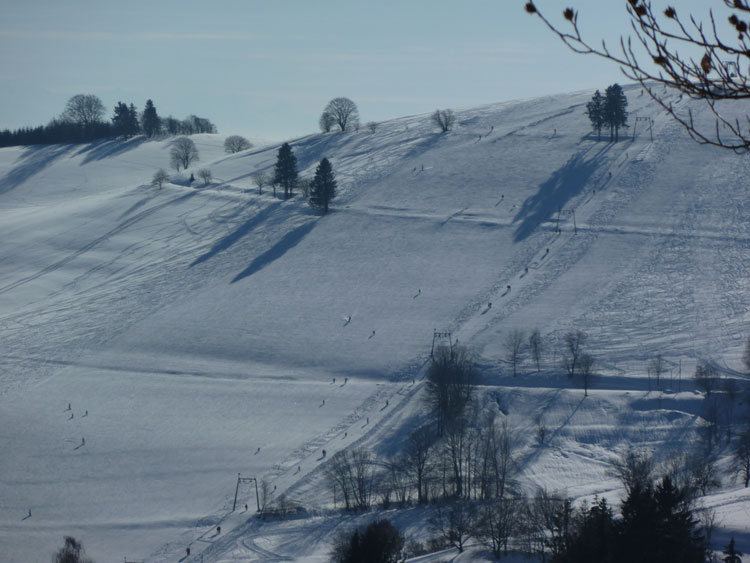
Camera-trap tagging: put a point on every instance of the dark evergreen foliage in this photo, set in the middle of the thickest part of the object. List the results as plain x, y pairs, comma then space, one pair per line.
79, 124
615, 110
595, 112
731, 554
285, 172
125, 120
150, 120
657, 526
323, 186
379, 542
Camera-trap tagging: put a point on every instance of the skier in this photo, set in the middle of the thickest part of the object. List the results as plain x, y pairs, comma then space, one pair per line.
489, 305
187, 550
345, 380
86, 413
71, 416
508, 287
69, 406
324, 453
83, 441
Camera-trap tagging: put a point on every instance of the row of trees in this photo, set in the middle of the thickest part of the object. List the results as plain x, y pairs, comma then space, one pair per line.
320, 190
343, 113
83, 119
609, 110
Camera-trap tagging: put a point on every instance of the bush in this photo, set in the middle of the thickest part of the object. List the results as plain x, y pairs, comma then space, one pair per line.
236, 143
160, 176
71, 552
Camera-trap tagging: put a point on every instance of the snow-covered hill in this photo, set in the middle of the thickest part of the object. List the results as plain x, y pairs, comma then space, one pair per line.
196, 331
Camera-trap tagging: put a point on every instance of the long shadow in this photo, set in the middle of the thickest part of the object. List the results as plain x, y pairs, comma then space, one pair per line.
287, 242
235, 236
35, 159
554, 194
98, 150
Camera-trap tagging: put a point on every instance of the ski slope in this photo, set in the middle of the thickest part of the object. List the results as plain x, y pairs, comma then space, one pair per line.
197, 324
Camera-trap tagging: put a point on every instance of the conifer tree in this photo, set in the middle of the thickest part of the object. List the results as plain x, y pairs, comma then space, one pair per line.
133, 127
150, 120
323, 187
731, 554
595, 112
120, 119
285, 172
615, 112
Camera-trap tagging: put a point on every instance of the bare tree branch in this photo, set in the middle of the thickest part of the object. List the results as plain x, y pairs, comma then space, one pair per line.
717, 76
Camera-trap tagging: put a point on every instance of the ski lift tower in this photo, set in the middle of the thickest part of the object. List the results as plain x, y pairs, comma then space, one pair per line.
441, 337
648, 121
566, 213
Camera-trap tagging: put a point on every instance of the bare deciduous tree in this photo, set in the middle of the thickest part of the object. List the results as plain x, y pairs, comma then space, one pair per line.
634, 469
372, 126
183, 153
417, 457
344, 113
236, 143
326, 122
656, 367
83, 109
205, 175
705, 377
720, 74
496, 523
454, 523
450, 383
443, 119
265, 495
574, 342
586, 362
535, 346
160, 176
260, 179
513, 346
350, 473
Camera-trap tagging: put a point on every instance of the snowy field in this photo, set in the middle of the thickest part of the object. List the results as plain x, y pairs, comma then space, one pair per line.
196, 331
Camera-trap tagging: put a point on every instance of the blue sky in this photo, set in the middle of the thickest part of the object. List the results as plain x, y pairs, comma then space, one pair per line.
267, 68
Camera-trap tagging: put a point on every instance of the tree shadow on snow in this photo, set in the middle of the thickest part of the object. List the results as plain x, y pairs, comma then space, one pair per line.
554, 194
34, 160
105, 148
287, 242
237, 234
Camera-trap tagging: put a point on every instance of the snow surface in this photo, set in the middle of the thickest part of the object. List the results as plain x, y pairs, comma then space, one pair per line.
197, 324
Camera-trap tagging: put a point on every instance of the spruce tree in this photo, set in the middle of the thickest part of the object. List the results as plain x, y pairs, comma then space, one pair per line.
133, 127
595, 112
323, 186
615, 110
285, 172
150, 120
120, 119
731, 554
